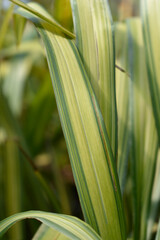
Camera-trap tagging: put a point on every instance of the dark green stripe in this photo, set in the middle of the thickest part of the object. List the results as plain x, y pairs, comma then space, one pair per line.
76, 20
92, 95
69, 135
155, 95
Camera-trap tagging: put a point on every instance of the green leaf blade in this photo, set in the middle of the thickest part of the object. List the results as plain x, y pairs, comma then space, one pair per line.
86, 137
93, 27
144, 135
123, 102
151, 34
85, 146
70, 226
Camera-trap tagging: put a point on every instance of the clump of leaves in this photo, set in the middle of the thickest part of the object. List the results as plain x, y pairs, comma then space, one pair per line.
107, 153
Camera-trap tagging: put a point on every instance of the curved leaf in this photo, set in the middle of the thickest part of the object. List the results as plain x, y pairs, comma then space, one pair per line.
90, 152
70, 226
87, 141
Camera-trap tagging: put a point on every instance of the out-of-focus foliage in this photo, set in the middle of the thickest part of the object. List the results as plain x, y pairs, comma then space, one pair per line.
123, 9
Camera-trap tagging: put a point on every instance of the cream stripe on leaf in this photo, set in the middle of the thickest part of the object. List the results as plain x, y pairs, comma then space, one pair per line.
91, 157
70, 226
86, 137
86, 147
123, 101
93, 28
144, 135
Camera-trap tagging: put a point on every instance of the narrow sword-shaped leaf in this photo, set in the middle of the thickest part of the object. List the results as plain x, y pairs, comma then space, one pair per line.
123, 101
93, 28
70, 226
144, 136
150, 10
85, 136
88, 145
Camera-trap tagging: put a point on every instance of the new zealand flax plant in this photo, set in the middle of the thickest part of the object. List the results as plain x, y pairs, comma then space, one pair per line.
106, 81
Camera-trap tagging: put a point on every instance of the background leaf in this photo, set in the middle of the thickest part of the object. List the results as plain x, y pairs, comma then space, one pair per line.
19, 26
4, 26
65, 65
155, 200
144, 135
123, 101
158, 232
38, 13
11, 171
151, 34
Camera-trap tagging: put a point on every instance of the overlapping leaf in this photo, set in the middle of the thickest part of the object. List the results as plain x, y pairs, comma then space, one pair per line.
151, 34
69, 226
47, 233
144, 135
93, 27
88, 145
47, 20
123, 101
